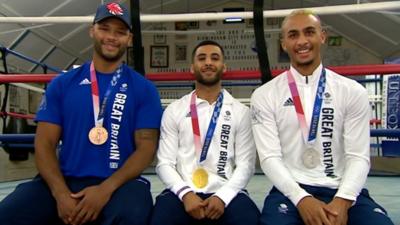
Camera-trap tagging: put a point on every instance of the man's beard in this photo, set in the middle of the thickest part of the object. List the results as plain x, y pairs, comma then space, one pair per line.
110, 58
210, 82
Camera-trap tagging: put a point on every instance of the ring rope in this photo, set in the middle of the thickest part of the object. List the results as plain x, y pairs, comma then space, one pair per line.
357, 70
150, 18
18, 115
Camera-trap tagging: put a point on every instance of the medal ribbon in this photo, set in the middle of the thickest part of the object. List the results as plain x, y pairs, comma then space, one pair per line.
211, 126
309, 134
98, 111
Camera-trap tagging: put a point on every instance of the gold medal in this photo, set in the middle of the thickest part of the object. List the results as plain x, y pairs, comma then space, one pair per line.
98, 135
200, 178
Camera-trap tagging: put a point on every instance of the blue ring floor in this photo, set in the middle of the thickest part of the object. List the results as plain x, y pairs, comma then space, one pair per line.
384, 189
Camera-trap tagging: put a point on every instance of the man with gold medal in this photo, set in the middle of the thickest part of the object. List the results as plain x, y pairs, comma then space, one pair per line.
206, 152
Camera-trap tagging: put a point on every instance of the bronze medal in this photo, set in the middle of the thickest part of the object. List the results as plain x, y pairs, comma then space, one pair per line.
98, 135
200, 178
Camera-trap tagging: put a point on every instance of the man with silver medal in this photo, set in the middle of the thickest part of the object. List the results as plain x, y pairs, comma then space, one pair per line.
206, 152
311, 128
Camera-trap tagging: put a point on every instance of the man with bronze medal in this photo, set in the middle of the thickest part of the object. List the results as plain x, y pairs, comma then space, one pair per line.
311, 128
206, 152
107, 117
98, 135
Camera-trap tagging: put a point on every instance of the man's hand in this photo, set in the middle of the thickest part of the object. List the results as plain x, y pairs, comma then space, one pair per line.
65, 206
214, 207
194, 205
314, 211
341, 207
92, 200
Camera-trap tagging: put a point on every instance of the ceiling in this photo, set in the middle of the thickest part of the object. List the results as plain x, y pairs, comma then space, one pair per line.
63, 45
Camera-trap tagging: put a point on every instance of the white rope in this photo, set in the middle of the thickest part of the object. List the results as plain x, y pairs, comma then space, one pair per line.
325, 10
29, 87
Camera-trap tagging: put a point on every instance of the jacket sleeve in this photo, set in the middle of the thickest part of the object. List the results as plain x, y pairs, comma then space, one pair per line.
356, 136
167, 154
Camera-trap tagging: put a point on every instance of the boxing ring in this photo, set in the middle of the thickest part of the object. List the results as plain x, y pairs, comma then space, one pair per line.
249, 78
23, 141
160, 80
258, 184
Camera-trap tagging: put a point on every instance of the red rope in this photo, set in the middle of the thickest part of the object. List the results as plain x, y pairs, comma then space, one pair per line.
375, 121
358, 70
18, 115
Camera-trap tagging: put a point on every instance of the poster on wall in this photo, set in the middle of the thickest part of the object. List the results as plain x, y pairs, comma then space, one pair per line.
180, 52
335, 41
160, 39
158, 56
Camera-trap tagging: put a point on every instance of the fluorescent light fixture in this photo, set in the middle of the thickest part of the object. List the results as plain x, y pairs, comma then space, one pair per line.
233, 20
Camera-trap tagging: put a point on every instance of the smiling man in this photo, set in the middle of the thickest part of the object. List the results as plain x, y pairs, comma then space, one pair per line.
206, 153
107, 117
311, 128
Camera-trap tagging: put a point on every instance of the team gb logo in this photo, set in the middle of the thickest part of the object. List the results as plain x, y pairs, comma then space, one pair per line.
115, 9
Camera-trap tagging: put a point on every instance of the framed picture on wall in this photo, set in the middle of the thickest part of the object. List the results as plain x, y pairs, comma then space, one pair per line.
181, 25
249, 23
180, 52
159, 56
160, 39
193, 25
335, 41
211, 23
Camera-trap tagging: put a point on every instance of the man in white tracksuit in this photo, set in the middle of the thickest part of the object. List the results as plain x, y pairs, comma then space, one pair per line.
311, 128
206, 152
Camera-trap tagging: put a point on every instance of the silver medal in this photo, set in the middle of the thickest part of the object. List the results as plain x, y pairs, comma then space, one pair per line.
311, 158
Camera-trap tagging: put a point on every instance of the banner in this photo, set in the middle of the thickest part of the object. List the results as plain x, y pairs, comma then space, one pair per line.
391, 102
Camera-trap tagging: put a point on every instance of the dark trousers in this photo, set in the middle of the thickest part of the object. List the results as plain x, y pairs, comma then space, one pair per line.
31, 203
279, 210
169, 210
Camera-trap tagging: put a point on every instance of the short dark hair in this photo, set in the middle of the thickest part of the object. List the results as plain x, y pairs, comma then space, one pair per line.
207, 42
297, 12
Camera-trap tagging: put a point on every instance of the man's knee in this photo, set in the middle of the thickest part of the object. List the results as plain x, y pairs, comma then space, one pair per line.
131, 216
130, 207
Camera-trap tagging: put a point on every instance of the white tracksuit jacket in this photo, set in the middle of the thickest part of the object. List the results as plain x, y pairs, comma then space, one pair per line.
343, 136
231, 156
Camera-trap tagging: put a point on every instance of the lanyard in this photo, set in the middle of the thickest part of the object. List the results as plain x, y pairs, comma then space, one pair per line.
311, 132
211, 126
97, 110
